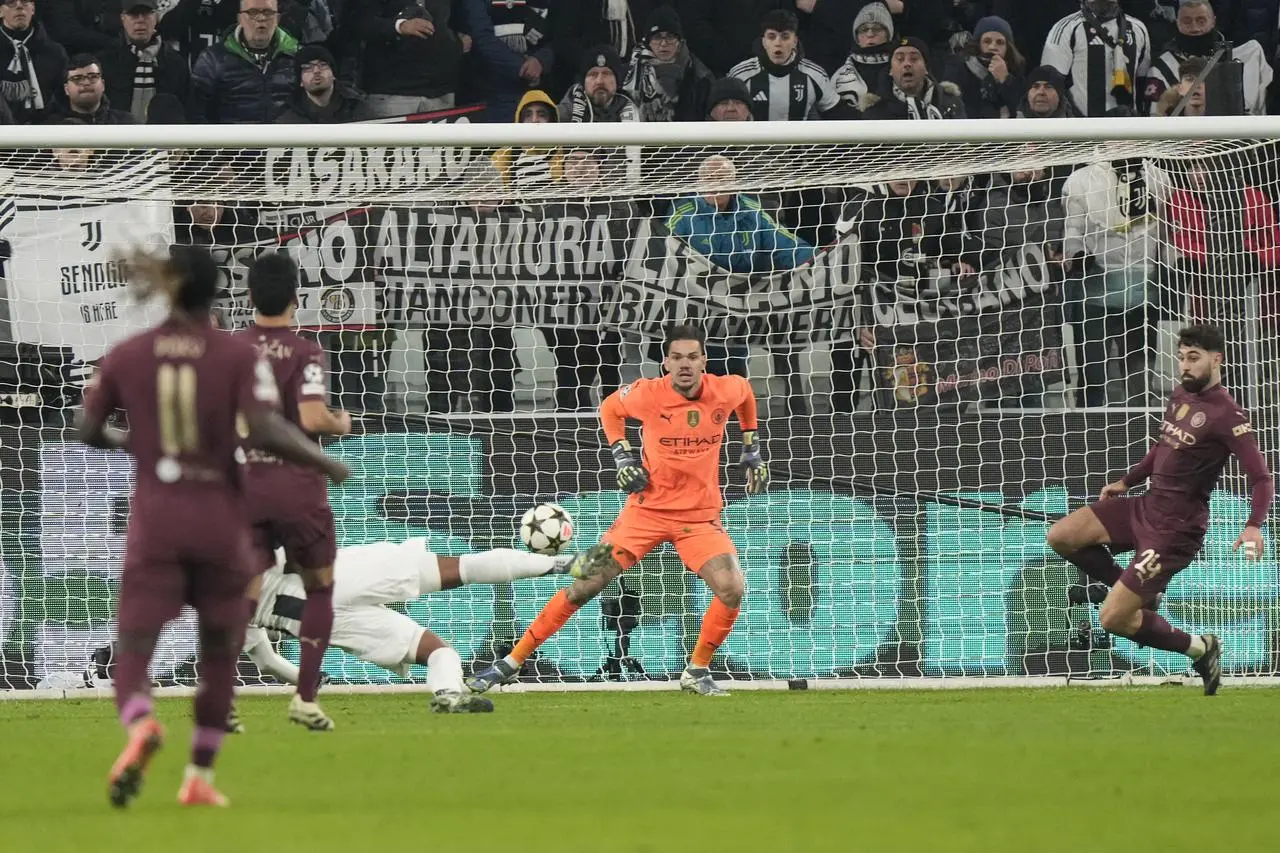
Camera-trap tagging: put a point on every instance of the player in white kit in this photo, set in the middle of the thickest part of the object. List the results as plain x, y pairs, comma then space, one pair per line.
366, 578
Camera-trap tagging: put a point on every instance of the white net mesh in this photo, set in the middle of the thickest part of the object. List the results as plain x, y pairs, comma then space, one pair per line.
953, 343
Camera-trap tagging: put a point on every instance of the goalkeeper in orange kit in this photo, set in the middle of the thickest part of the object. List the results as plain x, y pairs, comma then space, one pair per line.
674, 497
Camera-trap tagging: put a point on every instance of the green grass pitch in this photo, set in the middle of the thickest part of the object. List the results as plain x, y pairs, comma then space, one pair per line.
1161, 769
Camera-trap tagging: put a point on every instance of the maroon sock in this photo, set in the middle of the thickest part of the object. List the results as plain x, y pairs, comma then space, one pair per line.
217, 668
313, 639
131, 684
1157, 633
1096, 562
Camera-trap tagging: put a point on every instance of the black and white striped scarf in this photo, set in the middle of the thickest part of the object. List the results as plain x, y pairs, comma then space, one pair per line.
22, 66
144, 77
622, 30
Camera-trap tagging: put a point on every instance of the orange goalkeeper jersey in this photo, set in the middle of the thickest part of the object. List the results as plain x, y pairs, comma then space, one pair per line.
681, 439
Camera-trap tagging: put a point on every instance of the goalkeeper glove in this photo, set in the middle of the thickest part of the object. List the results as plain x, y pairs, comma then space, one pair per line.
632, 477
752, 462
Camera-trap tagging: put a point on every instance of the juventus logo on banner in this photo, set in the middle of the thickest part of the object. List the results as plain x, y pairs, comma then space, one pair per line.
92, 235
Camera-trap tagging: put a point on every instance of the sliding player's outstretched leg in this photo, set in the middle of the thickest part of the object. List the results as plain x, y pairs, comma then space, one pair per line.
444, 678
593, 569
144, 735
723, 577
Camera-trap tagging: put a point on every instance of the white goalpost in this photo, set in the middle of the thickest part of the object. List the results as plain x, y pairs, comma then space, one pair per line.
958, 332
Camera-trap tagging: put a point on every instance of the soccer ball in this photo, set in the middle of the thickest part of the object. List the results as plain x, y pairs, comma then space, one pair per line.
546, 529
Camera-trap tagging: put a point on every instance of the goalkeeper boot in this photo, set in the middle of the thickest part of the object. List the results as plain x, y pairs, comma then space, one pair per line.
234, 726
309, 714
197, 789
500, 672
453, 702
125, 780
697, 679
1209, 666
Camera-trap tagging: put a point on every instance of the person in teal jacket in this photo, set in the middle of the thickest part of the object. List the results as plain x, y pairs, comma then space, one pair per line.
732, 230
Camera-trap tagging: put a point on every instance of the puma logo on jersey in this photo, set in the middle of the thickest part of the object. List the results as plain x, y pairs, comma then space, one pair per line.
315, 643
666, 418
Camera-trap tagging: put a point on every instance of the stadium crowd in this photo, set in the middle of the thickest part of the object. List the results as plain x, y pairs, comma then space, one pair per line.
1124, 236
255, 61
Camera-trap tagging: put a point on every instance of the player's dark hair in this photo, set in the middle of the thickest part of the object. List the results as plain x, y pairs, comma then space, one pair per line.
273, 283
1207, 338
186, 276
684, 332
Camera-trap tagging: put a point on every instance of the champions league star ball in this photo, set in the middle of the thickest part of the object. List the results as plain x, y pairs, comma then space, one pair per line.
546, 529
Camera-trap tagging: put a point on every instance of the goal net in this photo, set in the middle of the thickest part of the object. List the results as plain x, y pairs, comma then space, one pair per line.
955, 338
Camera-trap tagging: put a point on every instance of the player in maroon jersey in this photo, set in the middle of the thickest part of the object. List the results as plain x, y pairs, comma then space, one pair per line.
289, 504
1165, 527
189, 393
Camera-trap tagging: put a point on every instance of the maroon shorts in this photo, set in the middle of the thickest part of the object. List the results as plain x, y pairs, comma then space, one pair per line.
308, 539
1159, 551
197, 554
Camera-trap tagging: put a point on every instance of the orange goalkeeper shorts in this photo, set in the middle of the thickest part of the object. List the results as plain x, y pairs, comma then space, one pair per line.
638, 531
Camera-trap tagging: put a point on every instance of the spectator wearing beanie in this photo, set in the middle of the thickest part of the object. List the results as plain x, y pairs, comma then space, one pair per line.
784, 85
598, 95
729, 100
577, 26
868, 63
665, 80
141, 64
909, 92
317, 100
990, 80
1046, 95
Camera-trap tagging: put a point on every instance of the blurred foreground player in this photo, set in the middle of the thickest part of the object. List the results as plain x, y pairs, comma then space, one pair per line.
183, 386
368, 578
288, 503
674, 497
1165, 527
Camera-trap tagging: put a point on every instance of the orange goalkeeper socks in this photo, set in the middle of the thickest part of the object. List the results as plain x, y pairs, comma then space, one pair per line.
717, 622
554, 614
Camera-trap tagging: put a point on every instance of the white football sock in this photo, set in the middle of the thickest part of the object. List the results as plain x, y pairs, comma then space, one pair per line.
502, 565
444, 671
1196, 650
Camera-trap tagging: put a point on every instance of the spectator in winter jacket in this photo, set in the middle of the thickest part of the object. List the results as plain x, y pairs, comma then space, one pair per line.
910, 92
990, 79
1198, 37
31, 63
524, 34
531, 166
731, 229
577, 26
784, 85
412, 57
729, 100
317, 99
597, 97
1105, 56
86, 99
1046, 95
141, 64
868, 64
665, 80
249, 76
